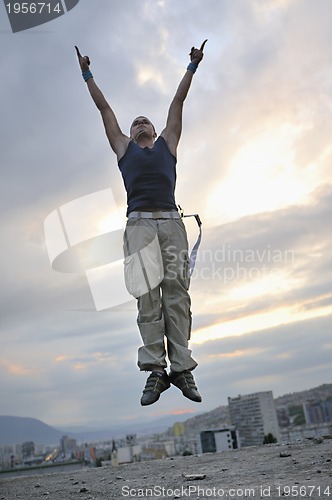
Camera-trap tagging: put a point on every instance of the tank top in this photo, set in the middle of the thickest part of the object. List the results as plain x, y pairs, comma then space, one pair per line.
149, 176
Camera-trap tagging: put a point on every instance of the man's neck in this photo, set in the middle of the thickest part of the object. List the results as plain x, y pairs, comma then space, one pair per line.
145, 142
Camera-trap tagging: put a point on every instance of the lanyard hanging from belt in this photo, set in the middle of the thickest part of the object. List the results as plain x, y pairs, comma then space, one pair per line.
193, 253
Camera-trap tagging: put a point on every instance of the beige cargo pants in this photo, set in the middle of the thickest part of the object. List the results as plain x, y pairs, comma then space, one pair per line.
157, 274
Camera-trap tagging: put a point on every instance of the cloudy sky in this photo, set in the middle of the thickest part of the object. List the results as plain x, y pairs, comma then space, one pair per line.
254, 160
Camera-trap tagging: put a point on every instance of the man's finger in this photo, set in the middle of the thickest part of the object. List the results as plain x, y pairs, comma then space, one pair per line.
78, 52
203, 44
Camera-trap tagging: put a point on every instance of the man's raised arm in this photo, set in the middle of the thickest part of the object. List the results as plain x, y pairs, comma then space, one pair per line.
117, 139
173, 129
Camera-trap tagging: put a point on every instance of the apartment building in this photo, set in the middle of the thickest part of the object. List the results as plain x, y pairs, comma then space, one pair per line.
254, 416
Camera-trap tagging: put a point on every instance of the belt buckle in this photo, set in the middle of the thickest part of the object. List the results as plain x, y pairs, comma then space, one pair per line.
157, 215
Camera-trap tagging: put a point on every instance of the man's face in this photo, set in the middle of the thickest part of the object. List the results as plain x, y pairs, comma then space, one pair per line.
142, 125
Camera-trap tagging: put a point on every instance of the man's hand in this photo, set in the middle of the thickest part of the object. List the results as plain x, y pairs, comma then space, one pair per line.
84, 61
196, 55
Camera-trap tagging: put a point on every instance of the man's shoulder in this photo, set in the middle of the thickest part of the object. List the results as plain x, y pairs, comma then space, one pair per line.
165, 144
122, 147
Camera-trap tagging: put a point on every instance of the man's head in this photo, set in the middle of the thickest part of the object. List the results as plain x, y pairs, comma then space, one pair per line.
142, 126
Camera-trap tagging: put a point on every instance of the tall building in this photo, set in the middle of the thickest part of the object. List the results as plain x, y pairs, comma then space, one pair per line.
67, 446
28, 449
317, 412
254, 417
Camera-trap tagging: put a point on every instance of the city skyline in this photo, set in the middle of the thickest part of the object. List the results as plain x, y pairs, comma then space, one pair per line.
251, 420
289, 407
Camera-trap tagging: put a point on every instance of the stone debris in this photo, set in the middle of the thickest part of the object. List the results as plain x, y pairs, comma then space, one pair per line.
285, 454
194, 477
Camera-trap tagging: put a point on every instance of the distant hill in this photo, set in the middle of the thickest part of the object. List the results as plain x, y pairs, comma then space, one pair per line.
21, 429
15, 430
220, 415
209, 420
319, 393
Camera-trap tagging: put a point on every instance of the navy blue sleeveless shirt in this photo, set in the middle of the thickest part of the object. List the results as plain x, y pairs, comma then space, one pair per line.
149, 176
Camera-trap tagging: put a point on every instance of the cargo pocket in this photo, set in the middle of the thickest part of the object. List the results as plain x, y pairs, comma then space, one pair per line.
143, 270
133, 275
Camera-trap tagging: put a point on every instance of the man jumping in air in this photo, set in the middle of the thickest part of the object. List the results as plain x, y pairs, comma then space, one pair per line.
155, 241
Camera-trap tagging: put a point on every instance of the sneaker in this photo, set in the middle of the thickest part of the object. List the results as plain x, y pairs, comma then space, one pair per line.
186, 383
156, 384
